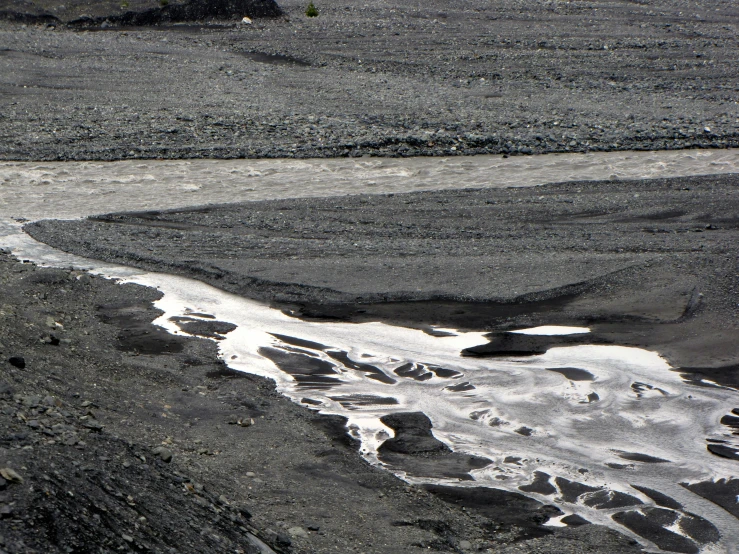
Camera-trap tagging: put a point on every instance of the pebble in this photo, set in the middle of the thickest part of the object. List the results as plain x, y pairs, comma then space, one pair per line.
283, 539
10, 475
17, 361
93, 425
31, 401
298, 532
164, 454
51, 401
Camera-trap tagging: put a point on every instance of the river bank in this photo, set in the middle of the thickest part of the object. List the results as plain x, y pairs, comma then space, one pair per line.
658, 278
648, 263
124, 437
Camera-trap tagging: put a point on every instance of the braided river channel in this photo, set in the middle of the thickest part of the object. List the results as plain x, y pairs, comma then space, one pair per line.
607, 433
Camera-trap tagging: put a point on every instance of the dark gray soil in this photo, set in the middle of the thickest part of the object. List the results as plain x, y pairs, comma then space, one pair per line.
394, 79
129, 439
118, 437
105, 13
648, 263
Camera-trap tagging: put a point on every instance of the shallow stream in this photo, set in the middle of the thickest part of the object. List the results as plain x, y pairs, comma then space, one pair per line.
576, 426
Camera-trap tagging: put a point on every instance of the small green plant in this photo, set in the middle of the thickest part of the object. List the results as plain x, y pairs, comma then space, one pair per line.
163, 3
124, 4
311, 10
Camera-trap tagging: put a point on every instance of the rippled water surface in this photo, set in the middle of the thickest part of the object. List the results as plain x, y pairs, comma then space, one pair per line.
603, 417
73, 189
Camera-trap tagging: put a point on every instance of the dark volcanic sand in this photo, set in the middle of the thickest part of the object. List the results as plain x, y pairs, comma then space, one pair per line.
648, 263
100, 388
397, 78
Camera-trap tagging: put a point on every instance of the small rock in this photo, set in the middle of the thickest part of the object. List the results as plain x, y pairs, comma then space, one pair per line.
31, 401
298, 532
165, 454
5, 511
93, 425
465, 545
3, 484
245, 21
9, 474
17, 361
127, 538
51, 401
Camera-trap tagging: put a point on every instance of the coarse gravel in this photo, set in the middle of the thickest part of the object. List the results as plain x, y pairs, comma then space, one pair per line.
381, 79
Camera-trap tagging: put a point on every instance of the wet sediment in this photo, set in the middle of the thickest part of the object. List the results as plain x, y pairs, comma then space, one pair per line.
645, 263
112, 442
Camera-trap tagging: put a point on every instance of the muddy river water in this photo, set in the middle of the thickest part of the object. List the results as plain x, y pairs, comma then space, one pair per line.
599, 428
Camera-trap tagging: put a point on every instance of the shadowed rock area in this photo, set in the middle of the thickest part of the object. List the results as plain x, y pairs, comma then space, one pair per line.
133, 12
415, 450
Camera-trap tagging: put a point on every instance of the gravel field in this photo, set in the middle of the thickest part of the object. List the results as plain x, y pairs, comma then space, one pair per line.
117, 436
383, 78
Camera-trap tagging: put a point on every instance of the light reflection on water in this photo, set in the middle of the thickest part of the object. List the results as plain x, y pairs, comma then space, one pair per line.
573, 424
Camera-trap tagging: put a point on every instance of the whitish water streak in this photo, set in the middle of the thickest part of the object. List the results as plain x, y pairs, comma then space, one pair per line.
570, 425
518, 407
35, 190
